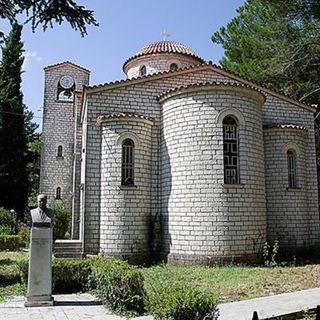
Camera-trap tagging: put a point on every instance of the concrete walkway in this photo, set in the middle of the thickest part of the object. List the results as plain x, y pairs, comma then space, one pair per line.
85, 306
68, 307
272, 306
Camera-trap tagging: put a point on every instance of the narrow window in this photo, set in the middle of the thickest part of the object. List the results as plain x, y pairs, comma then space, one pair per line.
58, 193
230, 150
127, 173
59, 151
173, 67
143, 71
292, 169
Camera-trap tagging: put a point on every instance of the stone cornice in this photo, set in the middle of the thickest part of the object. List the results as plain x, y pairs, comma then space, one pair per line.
208, 86
112, 117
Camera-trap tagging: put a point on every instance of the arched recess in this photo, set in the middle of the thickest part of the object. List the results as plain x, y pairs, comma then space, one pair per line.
230, 112
128, 135
291, 146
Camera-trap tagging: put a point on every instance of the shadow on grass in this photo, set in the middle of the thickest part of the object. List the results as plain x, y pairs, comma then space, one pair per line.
8, 280
7, 262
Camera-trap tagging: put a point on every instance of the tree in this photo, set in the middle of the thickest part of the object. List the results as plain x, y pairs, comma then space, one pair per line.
45, 12
276, 43
34, 148
16, 126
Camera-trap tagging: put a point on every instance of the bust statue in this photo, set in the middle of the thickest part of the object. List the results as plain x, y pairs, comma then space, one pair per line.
42, 214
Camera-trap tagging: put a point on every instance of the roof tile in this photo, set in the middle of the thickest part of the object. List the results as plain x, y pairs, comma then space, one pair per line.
164, 47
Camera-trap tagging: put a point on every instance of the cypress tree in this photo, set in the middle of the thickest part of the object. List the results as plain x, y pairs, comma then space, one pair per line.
14, 119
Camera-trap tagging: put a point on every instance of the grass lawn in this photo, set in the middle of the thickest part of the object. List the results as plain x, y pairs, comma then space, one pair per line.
9, 277
232, 283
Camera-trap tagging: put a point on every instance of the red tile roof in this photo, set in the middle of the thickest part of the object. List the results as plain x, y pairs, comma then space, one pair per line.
208, 84
65, 62
208, 64
164, 47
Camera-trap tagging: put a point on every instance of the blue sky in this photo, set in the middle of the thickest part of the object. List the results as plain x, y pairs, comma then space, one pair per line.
124, 27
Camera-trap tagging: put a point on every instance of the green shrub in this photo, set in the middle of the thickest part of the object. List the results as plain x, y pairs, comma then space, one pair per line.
68, 275
23, 266
24, 234
8, 223
179, 301
10, 242
5, 230
62, 212
119, 285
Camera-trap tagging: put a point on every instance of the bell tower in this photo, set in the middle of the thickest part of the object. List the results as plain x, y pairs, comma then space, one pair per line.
60, 114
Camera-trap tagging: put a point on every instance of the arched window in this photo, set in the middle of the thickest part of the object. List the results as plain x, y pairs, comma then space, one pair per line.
230, 150
58, 193
292, 169
143, 71
173, 67
59, 154
127, 168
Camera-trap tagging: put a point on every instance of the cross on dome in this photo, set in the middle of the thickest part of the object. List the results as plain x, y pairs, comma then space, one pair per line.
165, 35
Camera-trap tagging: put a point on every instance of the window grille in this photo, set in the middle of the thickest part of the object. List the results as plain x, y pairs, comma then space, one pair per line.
58, 193
59, 151
292, 169
230, 150
127, 174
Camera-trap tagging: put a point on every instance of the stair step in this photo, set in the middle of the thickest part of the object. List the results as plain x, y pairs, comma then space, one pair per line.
69, 255
68, 249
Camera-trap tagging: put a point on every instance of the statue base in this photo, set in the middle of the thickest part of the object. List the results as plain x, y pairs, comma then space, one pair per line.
39, 301
40, 267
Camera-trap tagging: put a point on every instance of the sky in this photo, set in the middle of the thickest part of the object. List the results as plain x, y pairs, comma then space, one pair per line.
124, 27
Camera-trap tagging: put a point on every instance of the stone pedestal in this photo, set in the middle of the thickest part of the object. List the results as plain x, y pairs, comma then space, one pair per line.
40, 266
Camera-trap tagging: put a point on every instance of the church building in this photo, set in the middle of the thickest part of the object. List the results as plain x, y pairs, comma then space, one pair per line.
181, 161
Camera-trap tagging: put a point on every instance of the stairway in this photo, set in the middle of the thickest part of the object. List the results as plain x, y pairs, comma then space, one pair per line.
68, 249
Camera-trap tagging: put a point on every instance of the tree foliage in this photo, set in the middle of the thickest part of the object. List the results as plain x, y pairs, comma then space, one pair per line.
276, 43
16, 126
62, 214
45, 12
34, 149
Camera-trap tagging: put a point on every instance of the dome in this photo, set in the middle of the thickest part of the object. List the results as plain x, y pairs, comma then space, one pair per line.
164, 47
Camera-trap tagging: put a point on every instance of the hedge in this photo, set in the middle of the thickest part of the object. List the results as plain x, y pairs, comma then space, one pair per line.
119, 285
10, 242
180, 301
68, 275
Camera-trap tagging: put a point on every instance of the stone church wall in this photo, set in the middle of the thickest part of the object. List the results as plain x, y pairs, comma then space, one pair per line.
140, 98
288, 210
278, 111
160, 64
126, 210
205, 220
